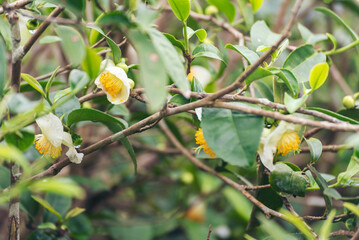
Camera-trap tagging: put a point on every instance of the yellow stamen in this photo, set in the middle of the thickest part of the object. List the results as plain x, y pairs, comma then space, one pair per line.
190, 76
288, 142
203, 144
111, 84
44, 146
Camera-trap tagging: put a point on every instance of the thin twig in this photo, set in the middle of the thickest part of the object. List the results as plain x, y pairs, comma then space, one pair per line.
342, 233
15, 5
356, 235
328, 148
209, 232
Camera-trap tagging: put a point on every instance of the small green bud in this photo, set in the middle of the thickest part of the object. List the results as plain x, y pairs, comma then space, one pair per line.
356, 95
211, 10
132, 83
351, 223
123, 66
348, 102
32, 24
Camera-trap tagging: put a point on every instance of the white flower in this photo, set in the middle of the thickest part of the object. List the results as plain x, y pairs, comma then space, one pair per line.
282, 139
53, 135
201, 74
114, 82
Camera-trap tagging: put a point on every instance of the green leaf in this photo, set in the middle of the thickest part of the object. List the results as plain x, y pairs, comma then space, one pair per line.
4, 177
247, 12
61, 186
77, 7
352, 169
74, 212
51, 80
201, 33
315, 147
116, 51
152, 72
47, 206
298, 223
5, 32
301, 61
309, 37
50, 39
80, 227
288, 78
91, 63
232, 135
114, 124
72, 44
33, 82
225, 6
174, 41
208, 50
318, 75
47, 225
249, 55
284, 180
170, 59
241, 205
21, 139
256, 4
3, 66
262, 35
333, 114
257, 74
181, 8
352, 207
336, 18
178, 100
274, 230
293, 104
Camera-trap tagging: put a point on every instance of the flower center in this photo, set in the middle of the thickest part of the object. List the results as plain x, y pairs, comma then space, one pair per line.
44, 146
111, 83
203, 144
288, 142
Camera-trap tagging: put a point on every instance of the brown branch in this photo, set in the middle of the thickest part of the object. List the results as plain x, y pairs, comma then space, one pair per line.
342, 233
15, 5
327, 148
209, 232
63, 69
41, 29
311, 132
257, 187
356, 235
337, 218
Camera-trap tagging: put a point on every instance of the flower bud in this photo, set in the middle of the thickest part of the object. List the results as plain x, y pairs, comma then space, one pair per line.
131, 82
348, 102
32, 24
211, 10
123, 66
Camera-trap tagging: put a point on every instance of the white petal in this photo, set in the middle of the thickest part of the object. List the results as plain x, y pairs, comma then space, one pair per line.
106, 64
67, 140
198, 113
74, 156
51, 127
201, 74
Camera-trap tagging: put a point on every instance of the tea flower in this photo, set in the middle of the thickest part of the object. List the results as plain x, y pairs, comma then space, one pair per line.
114, 82
201, 74
203, 144
282, 139
53, 135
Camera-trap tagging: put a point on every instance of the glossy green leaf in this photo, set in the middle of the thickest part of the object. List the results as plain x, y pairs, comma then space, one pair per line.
350, 113
50, 39
288, 78
60, 203
200, 33
152, 72
181, 8
352, 169
21, 139
4, 177
74, 212
178, 100
247, 12
47, 206
80, 226
47, 225
60, 186
232, 135
170, 59
114, 124
315, 147
51, 80
309, 37
333, 40
284, 180
292, 104
225, 6
256, 4
174, 41
33, 82
207, 50
77, 7
3, 66
352, 207
334, 114
91, 63
302, 60
318, 75
241, 205
257, 74
336, 18
248, 54
262, 35
72, 44
274, 230
116, 51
